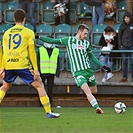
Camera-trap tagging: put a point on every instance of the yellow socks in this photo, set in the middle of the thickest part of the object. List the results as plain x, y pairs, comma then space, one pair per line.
2, 94
46, 104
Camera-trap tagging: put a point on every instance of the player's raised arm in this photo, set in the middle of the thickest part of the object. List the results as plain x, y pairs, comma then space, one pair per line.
48, 39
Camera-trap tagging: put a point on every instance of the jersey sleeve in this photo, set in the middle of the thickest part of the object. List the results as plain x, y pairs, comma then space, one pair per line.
2, 66
1, 59
33, 57
93, 57
62, 41
0, 56
32, 52
50, 40
31, 40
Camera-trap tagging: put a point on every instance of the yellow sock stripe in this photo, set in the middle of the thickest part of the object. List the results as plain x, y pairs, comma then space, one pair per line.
46, 104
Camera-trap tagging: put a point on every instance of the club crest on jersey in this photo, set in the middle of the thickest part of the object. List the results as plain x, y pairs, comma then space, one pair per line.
74, 46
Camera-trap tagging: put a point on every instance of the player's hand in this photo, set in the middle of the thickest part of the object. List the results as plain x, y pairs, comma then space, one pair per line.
37, 36
2, 74
107, 69
36, 74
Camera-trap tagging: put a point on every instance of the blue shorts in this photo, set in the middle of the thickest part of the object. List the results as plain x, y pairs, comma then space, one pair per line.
24, 74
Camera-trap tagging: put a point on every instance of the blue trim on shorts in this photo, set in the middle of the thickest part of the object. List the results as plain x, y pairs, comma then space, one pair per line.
24, 74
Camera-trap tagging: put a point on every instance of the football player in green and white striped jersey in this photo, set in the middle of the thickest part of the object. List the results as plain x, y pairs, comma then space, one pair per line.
80, 54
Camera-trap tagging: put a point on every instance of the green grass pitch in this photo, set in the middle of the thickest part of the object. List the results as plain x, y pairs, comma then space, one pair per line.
72, 120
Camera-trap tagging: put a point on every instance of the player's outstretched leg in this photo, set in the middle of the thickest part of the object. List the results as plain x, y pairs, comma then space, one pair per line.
91, 98
44, 99
99, 111
46, 104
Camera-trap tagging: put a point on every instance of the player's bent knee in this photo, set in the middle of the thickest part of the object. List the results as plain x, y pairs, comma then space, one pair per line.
5, 87
93, 90
37, 84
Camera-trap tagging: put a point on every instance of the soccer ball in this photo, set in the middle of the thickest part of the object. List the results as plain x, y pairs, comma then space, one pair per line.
120, 108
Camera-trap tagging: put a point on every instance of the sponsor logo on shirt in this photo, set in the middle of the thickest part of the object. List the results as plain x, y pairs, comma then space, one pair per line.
13, 60
81, 47
13, 54
16, 30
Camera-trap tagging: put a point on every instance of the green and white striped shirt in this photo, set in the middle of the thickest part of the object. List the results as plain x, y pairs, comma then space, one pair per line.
79, 52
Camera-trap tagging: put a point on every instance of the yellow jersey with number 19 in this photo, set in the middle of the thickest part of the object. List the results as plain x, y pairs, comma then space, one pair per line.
16, 43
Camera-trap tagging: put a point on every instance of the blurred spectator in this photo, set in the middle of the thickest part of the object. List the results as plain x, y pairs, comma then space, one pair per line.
67, 15
125, 41
108, 41
110, 8
29, 7
97, 8
48, 65
129, 5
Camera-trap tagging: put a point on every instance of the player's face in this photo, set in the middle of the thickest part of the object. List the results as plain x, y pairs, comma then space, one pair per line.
83, 34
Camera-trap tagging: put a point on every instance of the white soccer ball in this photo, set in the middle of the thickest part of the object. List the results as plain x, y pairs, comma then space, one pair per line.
120, 108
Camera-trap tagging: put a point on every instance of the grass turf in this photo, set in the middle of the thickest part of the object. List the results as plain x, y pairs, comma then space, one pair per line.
72, 120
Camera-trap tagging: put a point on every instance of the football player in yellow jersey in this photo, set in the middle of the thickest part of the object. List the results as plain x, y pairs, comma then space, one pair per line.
19, 59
